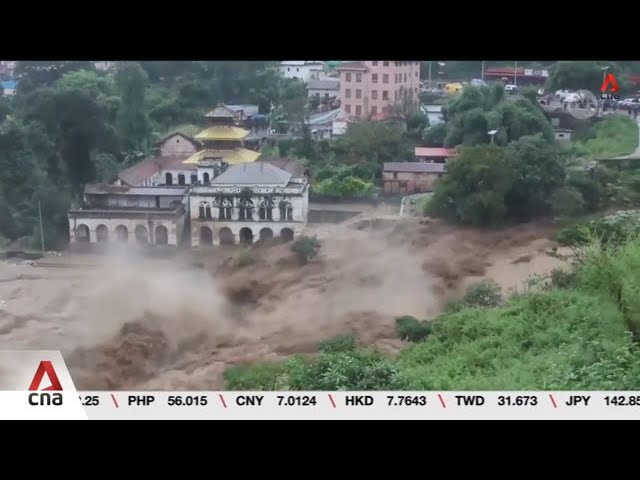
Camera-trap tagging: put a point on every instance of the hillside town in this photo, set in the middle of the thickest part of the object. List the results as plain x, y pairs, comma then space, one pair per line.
313, 225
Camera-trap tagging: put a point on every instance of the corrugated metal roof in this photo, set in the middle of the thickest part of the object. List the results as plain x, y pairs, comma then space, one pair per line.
328, 84
325, 117
139, 172
434, 152
258, 173
295, 168
222, 132
415, 167
221, 111
105, 189
353, 66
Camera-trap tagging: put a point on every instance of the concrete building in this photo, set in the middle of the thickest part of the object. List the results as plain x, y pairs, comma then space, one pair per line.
206, 190
324, 89
405, 178
250, 202
368, 89
123, 214
303, 70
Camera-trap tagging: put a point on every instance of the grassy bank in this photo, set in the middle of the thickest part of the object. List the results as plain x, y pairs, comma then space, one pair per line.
576, 332
613, 137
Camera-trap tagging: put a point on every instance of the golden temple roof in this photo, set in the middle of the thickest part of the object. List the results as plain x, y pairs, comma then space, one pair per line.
222, 132
238, 155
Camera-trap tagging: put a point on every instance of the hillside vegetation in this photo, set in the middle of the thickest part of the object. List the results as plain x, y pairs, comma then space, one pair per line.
574, 331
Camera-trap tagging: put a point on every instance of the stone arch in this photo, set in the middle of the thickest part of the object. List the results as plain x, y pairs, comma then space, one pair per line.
205, 177
266, 209
204, 210
246, 210
82, 234
286, 210
206, 236
161, 235
142, 235
168, 178
246, 235
226, 236
286, 234
102, 234
266, 235
181, 179
226, 209
122, 234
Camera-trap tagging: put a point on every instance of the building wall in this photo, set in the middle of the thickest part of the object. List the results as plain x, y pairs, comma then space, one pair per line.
162, 177
299, 205
139, 201
235, 227
177, 145
401, 77
321, 92
175, 228
408, 182
302, 72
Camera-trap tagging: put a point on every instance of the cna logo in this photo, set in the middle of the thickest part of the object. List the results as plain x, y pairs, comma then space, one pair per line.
46, 366
609, 87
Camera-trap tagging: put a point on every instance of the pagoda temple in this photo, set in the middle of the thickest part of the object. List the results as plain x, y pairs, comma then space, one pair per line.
222, 140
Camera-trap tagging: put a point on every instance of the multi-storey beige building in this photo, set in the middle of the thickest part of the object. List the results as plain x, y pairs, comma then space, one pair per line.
368, 89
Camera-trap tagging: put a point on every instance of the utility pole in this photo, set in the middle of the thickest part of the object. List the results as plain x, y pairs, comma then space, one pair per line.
41, 230
429, 81
515, 75
482, 74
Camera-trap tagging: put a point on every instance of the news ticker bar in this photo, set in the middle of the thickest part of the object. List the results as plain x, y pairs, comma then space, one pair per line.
196, 405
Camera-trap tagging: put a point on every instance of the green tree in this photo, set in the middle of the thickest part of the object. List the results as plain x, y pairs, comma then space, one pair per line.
132, 120
540, 169
476, 186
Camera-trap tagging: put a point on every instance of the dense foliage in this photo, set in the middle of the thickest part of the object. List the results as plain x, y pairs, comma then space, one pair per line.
70, 124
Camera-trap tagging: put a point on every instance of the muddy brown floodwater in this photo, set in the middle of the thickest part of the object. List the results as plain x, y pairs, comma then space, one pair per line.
127, 322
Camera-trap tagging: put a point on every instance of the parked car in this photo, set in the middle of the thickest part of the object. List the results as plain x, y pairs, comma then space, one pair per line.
629, 103
562, 93
511, 89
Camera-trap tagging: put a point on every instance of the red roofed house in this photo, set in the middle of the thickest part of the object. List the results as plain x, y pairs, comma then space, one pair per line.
368, 88
405, 178
434, 155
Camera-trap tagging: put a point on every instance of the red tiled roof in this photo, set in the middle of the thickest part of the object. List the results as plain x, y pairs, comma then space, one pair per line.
353, 66
139, 172
434, 152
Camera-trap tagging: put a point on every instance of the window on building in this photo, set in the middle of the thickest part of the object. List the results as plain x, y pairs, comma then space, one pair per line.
180, 179
358, 77
347, 77
374, 110
358, 93
385, 64
288, 69
416, 73
405, 77
374, 94
194, 179
205, 178
395, 175
358, 110
286, 211
375, 64
297, 69
347, 108
266, 209
374, 78
225, 210
347, 93
385, 95
385, 78
168, 178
